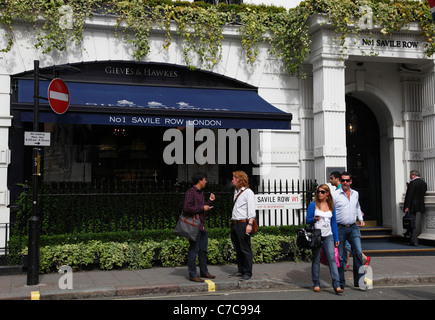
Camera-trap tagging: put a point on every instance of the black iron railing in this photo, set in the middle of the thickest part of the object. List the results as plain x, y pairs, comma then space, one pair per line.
68, 208
123, 206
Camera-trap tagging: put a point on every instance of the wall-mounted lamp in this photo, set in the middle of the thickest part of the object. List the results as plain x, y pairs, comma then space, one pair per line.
352, 122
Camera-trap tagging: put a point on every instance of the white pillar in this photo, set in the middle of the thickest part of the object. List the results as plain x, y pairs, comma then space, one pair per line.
307, 120
329, 110
5, 124
5, 156
428, 137
413, 120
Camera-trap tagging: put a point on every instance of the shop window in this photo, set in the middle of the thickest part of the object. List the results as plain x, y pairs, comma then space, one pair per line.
88, 153
97, 152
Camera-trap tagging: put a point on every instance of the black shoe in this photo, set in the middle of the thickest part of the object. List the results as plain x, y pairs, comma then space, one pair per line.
245, 277
236, 274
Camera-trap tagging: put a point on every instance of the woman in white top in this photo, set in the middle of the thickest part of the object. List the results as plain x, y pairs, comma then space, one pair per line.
321, 215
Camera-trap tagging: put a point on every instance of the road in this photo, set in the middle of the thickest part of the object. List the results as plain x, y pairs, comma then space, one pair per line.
387, 292
272, 304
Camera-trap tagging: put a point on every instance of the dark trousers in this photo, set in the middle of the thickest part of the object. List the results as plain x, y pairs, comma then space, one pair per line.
198, 248
242, 245
415, 232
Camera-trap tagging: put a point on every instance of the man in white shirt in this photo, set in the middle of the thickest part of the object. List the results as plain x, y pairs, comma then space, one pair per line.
242, 218
348, 210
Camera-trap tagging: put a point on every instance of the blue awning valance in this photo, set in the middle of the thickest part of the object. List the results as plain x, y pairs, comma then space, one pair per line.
92, 103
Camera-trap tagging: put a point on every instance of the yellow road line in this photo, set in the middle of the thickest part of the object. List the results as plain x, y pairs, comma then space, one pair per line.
211, 286
34, 295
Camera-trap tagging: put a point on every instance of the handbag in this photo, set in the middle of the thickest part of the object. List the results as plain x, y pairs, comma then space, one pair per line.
309, 238
408, 221
254, 227
187, 226
324, 259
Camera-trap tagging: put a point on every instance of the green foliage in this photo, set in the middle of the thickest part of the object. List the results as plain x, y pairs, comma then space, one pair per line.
74, 255
200, 25
221, 251
270, 244
201, 31
140, 255
267, 248
290, 39
112, 254
173, 252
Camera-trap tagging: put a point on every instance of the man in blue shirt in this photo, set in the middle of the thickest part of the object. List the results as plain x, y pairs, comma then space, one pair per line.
348, 211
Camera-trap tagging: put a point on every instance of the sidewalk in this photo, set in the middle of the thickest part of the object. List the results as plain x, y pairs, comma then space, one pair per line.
96, 283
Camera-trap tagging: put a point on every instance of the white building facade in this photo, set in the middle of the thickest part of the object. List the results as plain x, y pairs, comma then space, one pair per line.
389, 97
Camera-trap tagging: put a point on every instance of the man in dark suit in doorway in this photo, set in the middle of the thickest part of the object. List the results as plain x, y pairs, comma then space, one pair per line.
414, 203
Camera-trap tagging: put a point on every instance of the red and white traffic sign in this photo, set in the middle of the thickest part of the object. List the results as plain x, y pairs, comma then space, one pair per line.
58, 96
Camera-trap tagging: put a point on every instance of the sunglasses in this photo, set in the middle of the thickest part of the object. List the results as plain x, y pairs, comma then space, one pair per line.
345, 180
321, 191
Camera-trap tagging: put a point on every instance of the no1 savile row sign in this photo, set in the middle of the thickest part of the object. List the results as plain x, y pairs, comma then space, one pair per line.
278, 201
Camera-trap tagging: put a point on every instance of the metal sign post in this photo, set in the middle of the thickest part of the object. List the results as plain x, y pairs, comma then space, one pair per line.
34, 222
58, 97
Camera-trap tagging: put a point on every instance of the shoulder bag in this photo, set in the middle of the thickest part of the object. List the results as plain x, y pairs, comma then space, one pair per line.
308, 238
187, 226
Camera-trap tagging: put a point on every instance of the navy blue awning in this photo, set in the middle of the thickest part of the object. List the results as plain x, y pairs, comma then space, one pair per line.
92, 103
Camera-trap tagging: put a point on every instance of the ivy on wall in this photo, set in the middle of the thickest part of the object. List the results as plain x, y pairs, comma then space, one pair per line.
200, 26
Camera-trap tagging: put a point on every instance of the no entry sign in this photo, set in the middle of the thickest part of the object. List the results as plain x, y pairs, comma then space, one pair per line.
58, 96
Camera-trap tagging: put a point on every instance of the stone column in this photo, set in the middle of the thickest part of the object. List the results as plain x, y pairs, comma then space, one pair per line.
413, 120
5, 124
5, 156
428, 137
329, 110
306, 119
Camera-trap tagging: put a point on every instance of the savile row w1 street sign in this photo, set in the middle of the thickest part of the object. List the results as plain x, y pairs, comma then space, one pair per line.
278, 201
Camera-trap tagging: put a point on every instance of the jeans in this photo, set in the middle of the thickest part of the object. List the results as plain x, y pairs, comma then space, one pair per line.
198, 248
352, 235
328, 245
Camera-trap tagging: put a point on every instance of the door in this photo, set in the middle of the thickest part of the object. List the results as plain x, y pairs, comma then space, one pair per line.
363, 157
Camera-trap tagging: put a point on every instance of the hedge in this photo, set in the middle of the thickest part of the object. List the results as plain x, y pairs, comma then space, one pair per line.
140, 250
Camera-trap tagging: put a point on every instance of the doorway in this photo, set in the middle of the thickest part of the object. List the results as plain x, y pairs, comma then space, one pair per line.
363, 157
